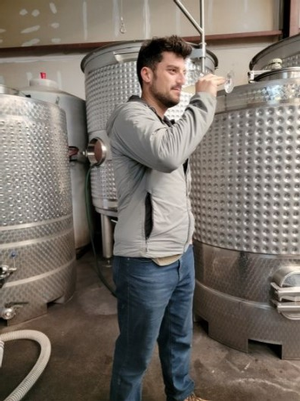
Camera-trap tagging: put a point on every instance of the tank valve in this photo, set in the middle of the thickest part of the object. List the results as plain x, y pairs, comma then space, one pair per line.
96, 151
274, 64
286, 291
5, 272
10, 310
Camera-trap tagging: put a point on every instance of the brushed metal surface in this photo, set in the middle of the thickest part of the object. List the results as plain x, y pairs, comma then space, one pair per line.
246, 172
286, 49
74, 107
233, 295
36, 224
281, 73
246, 203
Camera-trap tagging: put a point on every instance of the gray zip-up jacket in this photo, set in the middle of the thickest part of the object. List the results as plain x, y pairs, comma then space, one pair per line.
152, 175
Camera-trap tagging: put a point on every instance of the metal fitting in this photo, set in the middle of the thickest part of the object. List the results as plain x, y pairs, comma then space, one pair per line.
5, 272
10, 310
96, 151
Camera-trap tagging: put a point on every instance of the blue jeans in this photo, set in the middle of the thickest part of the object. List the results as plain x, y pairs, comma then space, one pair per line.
154, 304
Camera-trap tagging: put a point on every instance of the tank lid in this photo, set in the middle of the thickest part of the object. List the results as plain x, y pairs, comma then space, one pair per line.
109, 53
127, 51
197, 53
9, 91
41, 85
43, 82
283, 73
282, 49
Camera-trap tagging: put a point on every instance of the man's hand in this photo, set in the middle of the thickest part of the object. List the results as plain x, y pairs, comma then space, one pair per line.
209, 83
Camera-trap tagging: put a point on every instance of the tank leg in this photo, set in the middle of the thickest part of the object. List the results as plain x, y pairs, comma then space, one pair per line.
107, 236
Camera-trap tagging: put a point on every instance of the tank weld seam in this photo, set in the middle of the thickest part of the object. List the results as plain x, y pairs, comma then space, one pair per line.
225, 107
21, 244
260, 305
39, 276
37, 224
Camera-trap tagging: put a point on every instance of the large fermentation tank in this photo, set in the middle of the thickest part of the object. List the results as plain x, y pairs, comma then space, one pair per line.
246, 201
110, 79
37, 236
74, 107
287, 50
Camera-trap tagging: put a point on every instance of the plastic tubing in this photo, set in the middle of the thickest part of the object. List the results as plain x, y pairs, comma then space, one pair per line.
40, 364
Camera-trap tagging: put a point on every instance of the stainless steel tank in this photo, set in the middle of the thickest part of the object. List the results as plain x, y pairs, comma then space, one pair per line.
37, 252
246, 201
287, 50
9, 91
110, 79
74, 107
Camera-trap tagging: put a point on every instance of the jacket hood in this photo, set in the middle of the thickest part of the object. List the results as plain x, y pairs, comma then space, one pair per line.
112, 118
133, 98
114, 114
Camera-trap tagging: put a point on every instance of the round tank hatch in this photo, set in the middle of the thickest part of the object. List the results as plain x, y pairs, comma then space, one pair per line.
283, 73
45, 83
286, 49
9, 91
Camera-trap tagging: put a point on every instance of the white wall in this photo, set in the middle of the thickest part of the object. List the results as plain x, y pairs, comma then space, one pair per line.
65, 70
35, 22
44, 22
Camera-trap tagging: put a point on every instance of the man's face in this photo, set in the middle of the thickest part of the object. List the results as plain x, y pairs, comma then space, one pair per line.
167, 79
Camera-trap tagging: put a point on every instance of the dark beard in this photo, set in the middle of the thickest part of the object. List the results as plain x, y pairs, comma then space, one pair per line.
166, 101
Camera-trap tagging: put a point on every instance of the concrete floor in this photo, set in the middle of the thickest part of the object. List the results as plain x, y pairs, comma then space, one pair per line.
82, 333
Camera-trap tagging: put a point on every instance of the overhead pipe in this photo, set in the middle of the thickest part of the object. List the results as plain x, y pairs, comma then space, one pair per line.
199, 28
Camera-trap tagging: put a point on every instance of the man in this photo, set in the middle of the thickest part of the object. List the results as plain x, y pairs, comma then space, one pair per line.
153, 264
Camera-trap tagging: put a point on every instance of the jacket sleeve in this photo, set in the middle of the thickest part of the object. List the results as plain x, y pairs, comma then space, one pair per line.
143, 137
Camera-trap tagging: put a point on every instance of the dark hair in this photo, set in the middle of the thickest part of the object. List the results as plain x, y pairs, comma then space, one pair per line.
150, 53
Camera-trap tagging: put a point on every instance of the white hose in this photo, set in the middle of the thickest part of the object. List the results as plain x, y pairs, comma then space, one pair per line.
40, 364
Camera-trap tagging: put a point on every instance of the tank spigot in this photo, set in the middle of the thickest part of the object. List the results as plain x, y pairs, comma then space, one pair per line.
5, 272
96, 151
10, 310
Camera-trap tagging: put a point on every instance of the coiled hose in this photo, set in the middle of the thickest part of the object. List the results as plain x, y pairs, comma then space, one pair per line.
40, 364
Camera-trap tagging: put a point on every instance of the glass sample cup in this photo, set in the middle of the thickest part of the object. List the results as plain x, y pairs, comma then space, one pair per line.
229, 83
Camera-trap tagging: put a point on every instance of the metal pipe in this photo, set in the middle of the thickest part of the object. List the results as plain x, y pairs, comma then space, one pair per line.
203, 44
199, 28
107, 236
189, 16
